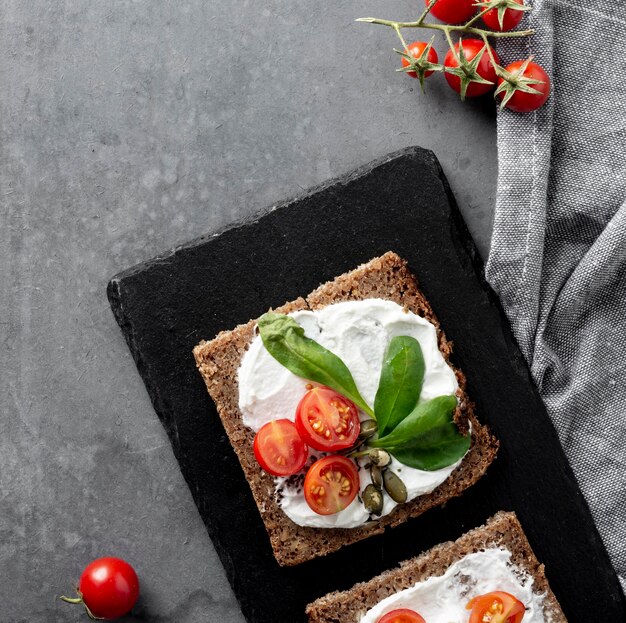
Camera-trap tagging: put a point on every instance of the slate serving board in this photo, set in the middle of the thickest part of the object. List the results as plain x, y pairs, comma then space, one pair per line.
400, 203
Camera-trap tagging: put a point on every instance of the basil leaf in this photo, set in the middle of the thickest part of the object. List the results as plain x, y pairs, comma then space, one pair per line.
400, 382
284, 339
427, 438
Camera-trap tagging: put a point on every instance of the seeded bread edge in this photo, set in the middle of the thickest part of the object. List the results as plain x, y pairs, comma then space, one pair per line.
502, 530
218, 360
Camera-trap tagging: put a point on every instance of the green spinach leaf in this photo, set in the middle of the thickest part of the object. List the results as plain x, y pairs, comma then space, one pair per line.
284, 339
400, 382
427, 438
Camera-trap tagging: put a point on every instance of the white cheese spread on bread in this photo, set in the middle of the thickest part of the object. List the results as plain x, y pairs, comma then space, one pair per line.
442, 599
358, 332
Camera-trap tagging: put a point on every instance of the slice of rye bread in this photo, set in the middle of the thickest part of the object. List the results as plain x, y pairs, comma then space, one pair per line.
502, 530
386, 277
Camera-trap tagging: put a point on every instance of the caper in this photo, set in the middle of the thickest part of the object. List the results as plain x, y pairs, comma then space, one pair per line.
377, 477
373, 500
368, 429
379, 457
394, 486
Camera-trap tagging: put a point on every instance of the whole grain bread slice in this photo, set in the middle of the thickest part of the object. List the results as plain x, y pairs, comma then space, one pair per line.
385, 277
502, 530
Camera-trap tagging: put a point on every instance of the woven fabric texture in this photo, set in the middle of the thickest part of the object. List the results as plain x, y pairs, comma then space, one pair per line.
558, 254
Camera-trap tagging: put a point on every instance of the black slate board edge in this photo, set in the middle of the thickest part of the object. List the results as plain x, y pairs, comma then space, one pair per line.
466, 250
253, 219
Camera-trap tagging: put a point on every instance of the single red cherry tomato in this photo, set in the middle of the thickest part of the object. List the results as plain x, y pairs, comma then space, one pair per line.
496, 607
527, 102
108, 588
452, 11
326, 420
415, 50
331, 484
510, 19
403, 615
279, 449
485, 69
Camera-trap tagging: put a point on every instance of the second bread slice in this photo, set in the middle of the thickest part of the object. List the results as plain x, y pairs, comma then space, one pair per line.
501, 531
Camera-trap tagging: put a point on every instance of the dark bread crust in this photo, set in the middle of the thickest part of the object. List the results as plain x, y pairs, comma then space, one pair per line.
386, 277
502, 530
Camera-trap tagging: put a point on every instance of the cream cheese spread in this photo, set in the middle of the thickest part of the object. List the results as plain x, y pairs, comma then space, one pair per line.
442, 599
358, 332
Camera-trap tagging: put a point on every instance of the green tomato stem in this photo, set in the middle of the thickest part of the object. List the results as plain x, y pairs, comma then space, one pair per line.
406, 47
474, 19
446, 27
426, 11
491, 56
80, 600
451, 45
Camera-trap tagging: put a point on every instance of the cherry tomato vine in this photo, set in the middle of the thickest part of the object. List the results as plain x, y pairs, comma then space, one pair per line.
471, 66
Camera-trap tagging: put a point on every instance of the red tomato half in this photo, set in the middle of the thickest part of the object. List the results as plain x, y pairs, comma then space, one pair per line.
527, 102
109, 587
510, 20
485, 69
279, 449
452, 11
326, 420
415, 50
331, 484
403, 615
496, 607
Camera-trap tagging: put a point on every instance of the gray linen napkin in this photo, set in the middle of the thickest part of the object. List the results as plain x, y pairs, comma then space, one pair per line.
558, 253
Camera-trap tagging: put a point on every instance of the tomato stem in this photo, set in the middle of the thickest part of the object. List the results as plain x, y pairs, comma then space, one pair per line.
463, 28
451, 45
491, 56
79, 600
406, 47
426, 11
473, 19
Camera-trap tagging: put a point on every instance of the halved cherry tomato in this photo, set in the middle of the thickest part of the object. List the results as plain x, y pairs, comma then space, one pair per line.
453, 11
403, 615
326, 420
496, 607
279, 449
511, 18
331, 484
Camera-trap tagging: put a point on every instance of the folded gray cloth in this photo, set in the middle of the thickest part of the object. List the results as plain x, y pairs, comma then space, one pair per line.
558, 253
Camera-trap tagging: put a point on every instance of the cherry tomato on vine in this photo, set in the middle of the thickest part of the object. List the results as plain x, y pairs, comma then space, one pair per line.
512, 17
527, 102
496, 607
415, 50
108, 588
331, 484
485, 69
452, 11
403, 615
326, 420
279, 449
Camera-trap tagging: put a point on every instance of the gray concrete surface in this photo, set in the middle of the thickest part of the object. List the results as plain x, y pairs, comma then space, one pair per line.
129, 127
